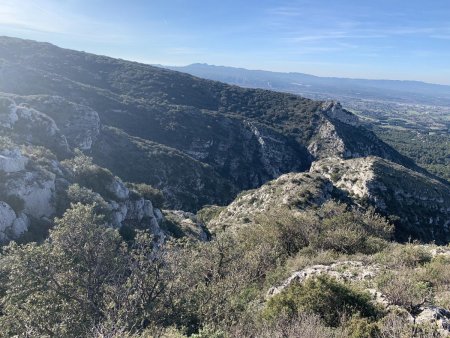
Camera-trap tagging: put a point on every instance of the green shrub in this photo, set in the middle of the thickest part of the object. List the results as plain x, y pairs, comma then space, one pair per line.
409, 255
323, 296
90, 175
208, 213
77, 194
404, 287
148, 193
358, 327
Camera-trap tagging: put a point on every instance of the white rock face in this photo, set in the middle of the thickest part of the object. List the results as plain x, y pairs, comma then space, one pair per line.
118, 189
7, 217
12, 161
327, 143
20, 225
286, 191
37, 191
132, 210
344, 271
354, 176
139, 209
158, 214
436, 315
36, 118
335, 111
79, 123
118, 213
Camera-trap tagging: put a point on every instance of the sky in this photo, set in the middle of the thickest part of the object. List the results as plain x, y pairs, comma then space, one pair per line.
377, 39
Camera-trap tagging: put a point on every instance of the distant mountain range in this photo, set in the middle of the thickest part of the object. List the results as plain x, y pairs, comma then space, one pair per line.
324, 87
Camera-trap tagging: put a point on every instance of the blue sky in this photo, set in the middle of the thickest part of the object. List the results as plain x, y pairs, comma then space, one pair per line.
393, 39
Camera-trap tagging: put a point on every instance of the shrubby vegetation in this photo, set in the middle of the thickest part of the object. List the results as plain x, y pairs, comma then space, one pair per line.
86, 280
324, 297
431, 152
89, 175
149, 193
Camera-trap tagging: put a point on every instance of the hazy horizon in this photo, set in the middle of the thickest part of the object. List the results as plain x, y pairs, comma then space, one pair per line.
405, 40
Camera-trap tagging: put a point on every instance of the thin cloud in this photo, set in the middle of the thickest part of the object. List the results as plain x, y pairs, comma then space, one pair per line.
49, 17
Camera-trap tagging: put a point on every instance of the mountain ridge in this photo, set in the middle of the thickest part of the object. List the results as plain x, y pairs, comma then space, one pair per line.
247, 136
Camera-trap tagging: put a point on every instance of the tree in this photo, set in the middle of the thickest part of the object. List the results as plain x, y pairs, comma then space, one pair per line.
83, 276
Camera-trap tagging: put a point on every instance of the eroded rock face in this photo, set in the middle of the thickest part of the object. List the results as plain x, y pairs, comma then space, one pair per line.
357, 272
79, 123
137, 211
293, 191
7, 217
32, 125
335, 111
422, 203
11, 226
327, 142
12, 161
36, 189
435, 315
346, 271
118, 189
8, 116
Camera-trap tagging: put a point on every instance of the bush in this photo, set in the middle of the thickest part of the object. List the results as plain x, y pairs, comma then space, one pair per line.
409, 255
351, 231
208, 213
148, 193
323, 296
78, 194
90, 175
405, 288
331, 227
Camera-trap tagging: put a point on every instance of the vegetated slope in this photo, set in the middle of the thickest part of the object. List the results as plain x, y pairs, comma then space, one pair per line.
418, 205
246, 136
186, 183
421, 203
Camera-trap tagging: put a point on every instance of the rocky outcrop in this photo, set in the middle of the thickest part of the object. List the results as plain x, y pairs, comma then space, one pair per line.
7, 217
334, 111
345, 271
289, 191
36, 189
12, 161
327, 142
353, 176
118, 189
364, 274
421, 203
30, 125
79, 123
11, 225
137, 213
185, 182
437, 316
